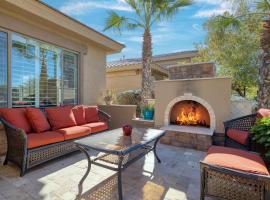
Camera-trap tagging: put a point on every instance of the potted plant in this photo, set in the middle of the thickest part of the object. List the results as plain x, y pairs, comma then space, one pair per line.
148, 111
108, 97
261, 134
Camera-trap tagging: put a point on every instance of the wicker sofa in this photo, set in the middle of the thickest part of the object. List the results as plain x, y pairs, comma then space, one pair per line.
35, 135
234, 174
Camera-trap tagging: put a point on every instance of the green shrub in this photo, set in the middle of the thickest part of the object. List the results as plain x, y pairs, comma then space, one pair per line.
130, 97
261, 133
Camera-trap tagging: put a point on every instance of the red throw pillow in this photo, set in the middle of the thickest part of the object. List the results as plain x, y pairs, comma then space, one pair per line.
61, 117
263, 112
91, 114
79, 115
16, 117
239, 136
38, 120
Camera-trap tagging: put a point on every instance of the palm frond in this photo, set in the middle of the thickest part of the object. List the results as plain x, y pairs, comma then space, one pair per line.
263, 5
168, 8
118, 23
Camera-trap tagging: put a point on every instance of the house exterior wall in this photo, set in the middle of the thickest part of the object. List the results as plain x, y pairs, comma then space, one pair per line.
120, 81
92, 57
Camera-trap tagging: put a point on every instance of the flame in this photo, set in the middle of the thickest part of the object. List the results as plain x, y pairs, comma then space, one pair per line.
188, 118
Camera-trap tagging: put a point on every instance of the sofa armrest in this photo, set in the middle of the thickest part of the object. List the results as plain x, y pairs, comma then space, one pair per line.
104, 116
17, 144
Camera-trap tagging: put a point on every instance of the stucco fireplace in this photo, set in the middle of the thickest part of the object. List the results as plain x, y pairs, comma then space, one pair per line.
192, 109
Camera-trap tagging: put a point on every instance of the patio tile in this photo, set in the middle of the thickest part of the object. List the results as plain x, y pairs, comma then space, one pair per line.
176, 178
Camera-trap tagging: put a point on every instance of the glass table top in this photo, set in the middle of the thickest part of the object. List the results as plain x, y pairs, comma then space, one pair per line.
114, 142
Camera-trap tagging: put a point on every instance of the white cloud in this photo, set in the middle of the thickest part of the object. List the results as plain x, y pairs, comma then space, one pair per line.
197, 27
217, 7
81, 7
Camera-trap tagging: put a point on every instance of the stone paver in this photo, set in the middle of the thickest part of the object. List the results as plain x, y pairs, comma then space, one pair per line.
176, 178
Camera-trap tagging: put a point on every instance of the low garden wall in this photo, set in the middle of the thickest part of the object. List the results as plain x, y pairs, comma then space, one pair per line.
121, 114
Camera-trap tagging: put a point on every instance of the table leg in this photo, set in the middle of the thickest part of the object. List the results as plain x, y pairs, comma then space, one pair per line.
120, 192
80, 186
154, 149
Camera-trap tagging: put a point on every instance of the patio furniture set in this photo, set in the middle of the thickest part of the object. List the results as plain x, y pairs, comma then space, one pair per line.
38, 135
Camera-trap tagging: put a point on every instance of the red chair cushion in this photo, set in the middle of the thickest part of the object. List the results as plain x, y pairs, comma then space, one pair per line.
79, 114
61, 117
16, 117
263, 113
44, 138
97, 126
236, 159
37, 120
239, 136
74, 132
91, 114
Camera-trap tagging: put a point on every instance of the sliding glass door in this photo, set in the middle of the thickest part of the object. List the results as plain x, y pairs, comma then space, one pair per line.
3, 69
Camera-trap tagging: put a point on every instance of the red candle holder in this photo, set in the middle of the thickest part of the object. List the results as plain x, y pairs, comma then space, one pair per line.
127, 130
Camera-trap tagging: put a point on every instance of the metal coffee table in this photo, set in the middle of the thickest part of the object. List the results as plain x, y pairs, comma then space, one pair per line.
117, 152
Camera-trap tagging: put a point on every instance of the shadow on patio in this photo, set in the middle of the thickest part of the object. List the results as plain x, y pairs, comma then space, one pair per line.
177, 177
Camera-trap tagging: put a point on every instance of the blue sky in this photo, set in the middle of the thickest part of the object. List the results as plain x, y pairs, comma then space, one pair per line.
181, 33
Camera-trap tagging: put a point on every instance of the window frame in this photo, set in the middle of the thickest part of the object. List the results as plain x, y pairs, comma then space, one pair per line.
9, 65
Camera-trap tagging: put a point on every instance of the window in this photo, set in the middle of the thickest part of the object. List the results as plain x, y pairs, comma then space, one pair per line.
42, 74
70, 66
49, 76
3, 69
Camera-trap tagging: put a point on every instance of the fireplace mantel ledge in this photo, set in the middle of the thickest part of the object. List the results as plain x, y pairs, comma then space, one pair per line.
189, 129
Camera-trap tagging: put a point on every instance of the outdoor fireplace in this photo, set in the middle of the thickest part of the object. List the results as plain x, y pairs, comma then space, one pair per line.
189, 113
192, 105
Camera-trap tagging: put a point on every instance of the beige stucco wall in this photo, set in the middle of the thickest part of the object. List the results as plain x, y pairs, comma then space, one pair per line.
121, 114
93, 75
123, 80
120, 81
216, 91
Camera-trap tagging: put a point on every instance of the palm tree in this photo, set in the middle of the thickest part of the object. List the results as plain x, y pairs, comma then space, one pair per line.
264, 82
147, 13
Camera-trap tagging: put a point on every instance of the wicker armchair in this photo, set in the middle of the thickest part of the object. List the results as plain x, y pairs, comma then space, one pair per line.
24, 158
230, 184
243, 124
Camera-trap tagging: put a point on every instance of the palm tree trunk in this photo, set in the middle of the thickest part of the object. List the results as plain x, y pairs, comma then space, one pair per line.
264, 79
146, 66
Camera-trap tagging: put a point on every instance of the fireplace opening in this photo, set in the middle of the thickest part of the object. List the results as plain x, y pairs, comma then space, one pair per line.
190, 113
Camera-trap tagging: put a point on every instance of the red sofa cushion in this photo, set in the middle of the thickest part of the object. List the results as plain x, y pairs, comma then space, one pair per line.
239, 136
74, 132
61, 117
91, 114
236, 159
44, 138
79, 114
97, 126
16, 117
37, 120
263, 113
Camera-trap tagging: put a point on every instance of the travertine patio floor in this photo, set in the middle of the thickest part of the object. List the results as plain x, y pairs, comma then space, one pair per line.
176, 178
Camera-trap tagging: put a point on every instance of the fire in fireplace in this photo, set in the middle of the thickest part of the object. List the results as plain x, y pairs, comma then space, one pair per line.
190, 113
